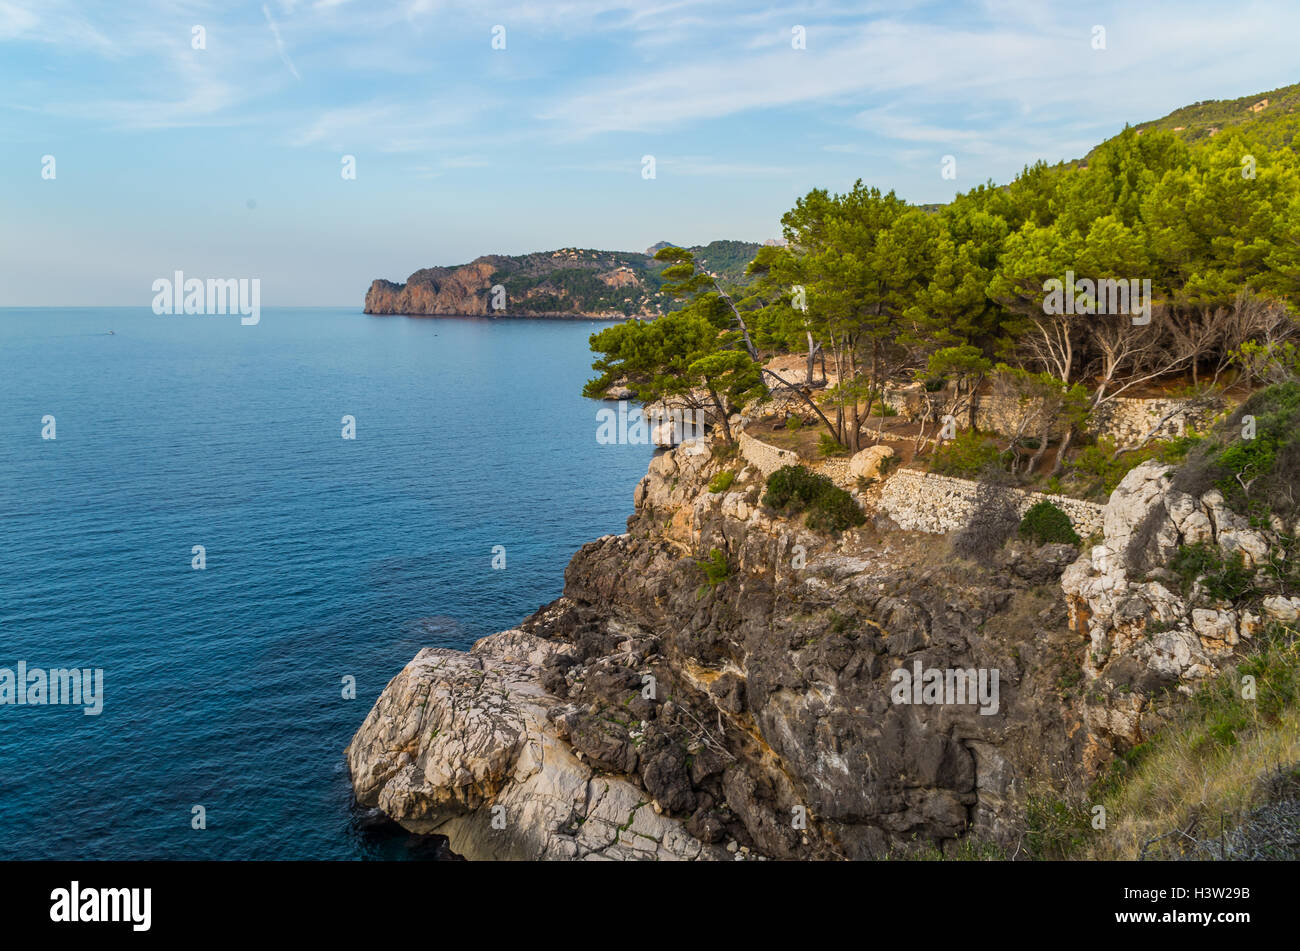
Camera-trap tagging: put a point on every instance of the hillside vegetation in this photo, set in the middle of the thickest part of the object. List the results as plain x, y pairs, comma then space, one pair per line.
1168, 262
569, 282
1272, 118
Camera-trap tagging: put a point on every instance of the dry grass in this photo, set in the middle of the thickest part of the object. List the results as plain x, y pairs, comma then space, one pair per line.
1179, 795
1205, 772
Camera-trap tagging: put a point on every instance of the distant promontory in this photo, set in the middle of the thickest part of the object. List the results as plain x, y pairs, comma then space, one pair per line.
570, 282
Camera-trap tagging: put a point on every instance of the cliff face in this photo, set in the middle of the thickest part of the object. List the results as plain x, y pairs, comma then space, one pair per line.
1146, 638
461, 290
645, 714
570, 282
755, 716
565, 283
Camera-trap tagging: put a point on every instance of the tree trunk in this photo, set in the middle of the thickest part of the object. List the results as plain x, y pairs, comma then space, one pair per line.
722, 415
810, 401
854, 420
744, 329
1042, 445
1060, 455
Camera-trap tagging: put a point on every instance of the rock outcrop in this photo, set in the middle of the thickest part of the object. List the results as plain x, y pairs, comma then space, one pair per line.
472, 746
1145, 635
462, 290
568, 282
754, 718
536, 285
655, 711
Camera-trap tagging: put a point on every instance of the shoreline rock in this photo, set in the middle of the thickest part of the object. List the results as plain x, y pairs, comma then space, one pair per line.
455, 732
647, 714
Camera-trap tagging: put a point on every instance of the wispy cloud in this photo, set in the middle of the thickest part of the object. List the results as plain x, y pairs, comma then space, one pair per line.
279, 42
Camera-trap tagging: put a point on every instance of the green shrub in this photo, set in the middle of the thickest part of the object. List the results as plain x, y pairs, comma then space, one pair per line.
795, 489
715, 568
722, 481
966, 456
1055, 828
835, 511
792, 488
1101, 470
1218, 712
828, 446
1255, 466
794, 423
1045, 523
724, 451
1224, 579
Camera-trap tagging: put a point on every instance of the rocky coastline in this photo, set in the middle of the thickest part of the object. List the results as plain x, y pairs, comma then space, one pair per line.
647, 714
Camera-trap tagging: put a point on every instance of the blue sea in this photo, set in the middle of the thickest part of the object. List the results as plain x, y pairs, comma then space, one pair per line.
326, 558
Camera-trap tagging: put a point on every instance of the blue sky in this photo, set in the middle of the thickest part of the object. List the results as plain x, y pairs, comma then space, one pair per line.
225, 161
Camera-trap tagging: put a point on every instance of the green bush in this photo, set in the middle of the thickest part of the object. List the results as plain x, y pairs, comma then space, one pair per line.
794, 423
722, 481
1045, 523
1253, 457
795, 489
792, 488
1276, 669
1055, 828
835, 511
966, 456
1224, 579
724, 451
715, 567
828, 446
1101, 470
1101, 467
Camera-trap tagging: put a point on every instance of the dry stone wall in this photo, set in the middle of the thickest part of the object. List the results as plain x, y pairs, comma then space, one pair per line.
766, 458
922, 501
925, 502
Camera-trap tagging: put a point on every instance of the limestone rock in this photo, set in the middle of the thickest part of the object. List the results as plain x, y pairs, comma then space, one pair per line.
463, 744
866, 463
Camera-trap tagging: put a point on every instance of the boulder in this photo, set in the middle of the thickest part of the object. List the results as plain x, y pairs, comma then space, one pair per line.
470, 745
866, 464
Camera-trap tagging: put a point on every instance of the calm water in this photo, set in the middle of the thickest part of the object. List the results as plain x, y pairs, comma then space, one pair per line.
326, 557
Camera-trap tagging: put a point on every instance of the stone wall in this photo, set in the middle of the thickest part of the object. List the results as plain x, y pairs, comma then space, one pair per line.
1004, 416
1125, 420
924, 502
921, 501
767, 459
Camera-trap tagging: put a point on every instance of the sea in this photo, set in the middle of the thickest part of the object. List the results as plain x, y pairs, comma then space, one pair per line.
246, 577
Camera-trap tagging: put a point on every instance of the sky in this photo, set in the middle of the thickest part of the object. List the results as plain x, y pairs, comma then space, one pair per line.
211, 137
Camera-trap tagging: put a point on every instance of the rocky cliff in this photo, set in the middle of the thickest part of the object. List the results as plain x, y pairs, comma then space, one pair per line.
570, 282
1149, 632
648, 714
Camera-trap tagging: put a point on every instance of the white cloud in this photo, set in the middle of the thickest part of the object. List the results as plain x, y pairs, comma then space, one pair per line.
279, 42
